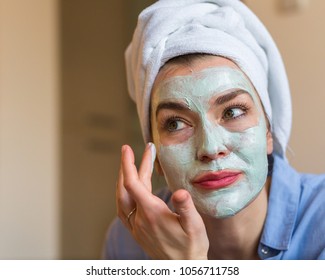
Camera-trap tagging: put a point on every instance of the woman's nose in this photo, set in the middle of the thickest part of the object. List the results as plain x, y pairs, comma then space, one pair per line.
212, 145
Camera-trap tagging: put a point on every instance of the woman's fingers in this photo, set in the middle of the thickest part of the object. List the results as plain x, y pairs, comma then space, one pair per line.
125, 203
132, 182
129, 169
146, 167
192, 224
189, 218
162, 233
123, 199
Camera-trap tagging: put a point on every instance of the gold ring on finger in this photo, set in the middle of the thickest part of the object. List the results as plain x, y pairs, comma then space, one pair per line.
130, 214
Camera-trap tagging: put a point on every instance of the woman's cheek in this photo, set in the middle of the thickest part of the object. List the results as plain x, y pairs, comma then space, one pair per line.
176, 162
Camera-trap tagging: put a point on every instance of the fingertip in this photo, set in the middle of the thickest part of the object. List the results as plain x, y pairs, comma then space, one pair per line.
124, 148
127, 152
153, 150
180, 196
151, 146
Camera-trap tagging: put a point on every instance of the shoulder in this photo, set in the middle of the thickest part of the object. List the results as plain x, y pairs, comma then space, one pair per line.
312, 197
308, 193
312, 201
306, 188
311, 184
295, 223
120, 244
310, 222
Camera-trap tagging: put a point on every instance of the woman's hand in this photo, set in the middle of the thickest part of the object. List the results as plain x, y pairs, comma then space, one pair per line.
160, 232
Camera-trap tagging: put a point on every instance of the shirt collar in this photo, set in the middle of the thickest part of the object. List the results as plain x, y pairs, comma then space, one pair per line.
282, 206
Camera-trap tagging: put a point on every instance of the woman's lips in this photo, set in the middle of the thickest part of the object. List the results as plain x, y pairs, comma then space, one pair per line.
216, 180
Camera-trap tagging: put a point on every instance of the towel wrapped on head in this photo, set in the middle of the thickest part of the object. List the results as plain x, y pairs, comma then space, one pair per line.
170, 28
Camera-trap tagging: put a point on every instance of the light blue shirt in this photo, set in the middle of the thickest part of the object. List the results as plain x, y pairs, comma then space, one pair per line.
294, 227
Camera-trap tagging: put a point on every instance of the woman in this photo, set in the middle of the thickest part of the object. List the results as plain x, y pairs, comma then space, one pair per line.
213, 97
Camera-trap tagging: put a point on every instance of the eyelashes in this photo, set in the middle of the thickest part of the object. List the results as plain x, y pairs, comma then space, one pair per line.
173, 123
232, 113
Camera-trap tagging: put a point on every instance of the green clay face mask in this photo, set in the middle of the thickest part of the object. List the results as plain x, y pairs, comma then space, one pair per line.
240, 142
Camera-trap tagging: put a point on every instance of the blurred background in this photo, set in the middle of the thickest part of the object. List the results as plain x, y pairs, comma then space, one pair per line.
65, 112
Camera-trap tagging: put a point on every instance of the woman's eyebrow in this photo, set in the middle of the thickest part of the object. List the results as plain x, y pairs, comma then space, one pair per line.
229, 96
172, 106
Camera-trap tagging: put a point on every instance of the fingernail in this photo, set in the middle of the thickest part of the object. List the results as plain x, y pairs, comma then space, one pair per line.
152, 147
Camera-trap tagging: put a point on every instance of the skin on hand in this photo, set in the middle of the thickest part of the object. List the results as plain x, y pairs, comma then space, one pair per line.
160, 232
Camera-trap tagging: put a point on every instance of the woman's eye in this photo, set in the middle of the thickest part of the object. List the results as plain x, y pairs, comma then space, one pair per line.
174, 125
233, 113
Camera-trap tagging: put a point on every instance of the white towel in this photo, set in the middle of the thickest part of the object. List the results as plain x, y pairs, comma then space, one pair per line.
170, 28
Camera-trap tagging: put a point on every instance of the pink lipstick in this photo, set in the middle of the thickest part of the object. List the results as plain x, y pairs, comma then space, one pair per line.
216, 180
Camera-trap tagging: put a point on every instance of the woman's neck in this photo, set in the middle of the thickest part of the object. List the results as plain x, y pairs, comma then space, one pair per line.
238, 237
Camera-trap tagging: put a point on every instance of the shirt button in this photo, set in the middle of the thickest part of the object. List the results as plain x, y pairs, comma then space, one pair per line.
265, 250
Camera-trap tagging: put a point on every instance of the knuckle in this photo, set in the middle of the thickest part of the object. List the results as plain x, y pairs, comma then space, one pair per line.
128, 183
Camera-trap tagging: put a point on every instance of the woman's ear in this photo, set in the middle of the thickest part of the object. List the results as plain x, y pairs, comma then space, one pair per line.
269, 142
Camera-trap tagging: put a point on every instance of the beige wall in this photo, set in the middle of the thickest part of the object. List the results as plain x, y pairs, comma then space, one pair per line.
95, 120
64, 115
29, 177
301, 39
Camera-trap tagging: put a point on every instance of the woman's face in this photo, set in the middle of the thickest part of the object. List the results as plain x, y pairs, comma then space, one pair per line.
211, 135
